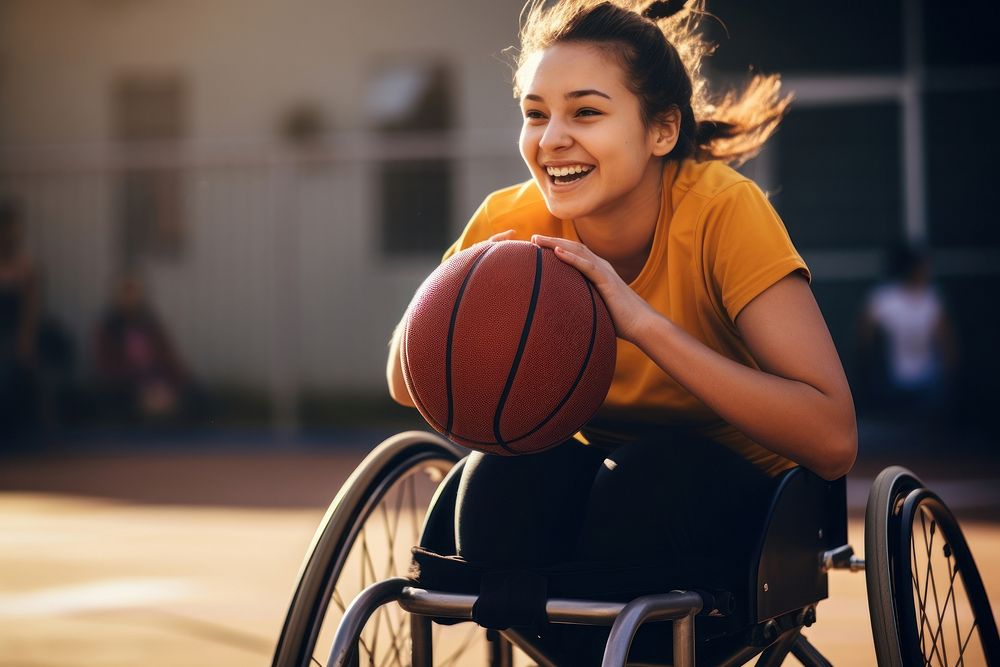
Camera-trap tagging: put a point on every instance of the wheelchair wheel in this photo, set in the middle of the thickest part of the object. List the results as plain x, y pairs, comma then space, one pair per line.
925, 595
365, 537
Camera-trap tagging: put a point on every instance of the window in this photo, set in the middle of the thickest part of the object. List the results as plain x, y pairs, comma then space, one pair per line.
839, 175
149, 109
962, 198
408, 101
792, 36
959, 33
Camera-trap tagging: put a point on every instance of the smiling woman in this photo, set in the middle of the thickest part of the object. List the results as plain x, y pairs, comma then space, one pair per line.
726, 374
597, 132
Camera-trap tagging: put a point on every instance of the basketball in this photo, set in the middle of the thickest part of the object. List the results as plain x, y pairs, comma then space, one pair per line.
508, 350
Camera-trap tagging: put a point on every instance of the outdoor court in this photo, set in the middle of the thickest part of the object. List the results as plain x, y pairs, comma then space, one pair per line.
162, 559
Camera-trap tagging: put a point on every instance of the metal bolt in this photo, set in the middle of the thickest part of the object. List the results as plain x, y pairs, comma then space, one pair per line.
765, 586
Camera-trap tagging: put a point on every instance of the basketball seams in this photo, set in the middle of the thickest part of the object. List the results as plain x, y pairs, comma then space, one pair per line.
430, 412
451, 338
525, 332
579, 375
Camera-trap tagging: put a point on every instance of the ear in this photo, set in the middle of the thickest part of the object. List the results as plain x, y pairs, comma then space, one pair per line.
665, 131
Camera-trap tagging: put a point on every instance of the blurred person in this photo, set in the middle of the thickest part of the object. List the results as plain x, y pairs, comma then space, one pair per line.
141, 376
19, 317
906, 328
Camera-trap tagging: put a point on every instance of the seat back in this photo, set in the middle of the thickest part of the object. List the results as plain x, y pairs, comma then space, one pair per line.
438, 531
807, 516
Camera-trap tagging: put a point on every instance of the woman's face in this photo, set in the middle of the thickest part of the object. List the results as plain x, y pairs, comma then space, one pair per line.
582, 135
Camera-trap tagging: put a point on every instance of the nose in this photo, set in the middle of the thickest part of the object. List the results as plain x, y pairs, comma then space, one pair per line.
555, 137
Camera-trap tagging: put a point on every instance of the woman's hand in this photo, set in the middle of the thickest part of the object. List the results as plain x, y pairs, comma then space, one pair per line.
629, 311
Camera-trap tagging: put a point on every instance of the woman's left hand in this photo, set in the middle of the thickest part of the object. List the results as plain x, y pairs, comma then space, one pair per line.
628, 310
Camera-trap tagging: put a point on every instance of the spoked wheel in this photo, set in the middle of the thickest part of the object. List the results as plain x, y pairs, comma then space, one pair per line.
927, 601
366, 537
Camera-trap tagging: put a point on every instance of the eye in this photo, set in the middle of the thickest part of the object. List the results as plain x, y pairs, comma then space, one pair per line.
587, 111
533, 114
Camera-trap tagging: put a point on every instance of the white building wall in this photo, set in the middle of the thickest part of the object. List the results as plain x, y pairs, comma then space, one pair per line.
265, 238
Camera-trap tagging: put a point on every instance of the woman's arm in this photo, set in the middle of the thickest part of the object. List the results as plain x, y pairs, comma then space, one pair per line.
797, 405
394, 368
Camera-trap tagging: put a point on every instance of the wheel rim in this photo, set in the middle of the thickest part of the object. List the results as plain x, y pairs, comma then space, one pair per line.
944, 613
376, 547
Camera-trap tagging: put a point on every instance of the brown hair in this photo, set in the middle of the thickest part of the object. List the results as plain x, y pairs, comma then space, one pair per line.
661, 48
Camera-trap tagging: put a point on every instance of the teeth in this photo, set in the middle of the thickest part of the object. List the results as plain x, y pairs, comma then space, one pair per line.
566, 171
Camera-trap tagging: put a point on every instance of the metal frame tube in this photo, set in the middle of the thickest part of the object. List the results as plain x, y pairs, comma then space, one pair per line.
683, 641
557, 610
358, 613
680, 606
624, 619
775, 654
529, 648
421, 641
807, 654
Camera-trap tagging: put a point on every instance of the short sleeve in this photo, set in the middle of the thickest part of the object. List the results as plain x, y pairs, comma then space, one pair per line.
746, 247
479, 228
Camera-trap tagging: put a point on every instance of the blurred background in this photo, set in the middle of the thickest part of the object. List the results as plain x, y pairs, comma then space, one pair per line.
213, 213
228, 204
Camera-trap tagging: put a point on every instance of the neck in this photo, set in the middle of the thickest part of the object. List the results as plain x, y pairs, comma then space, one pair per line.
622, 232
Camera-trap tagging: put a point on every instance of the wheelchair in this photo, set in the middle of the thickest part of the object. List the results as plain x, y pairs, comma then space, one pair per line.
360, 601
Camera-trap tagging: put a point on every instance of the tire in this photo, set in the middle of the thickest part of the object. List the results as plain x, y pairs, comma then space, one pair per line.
887, 492
912, 544
364, 537
944, 614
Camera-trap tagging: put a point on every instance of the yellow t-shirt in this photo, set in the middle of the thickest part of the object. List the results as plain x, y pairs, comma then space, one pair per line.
718, 244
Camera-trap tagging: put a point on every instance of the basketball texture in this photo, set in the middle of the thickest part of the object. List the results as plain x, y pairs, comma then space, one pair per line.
507, 349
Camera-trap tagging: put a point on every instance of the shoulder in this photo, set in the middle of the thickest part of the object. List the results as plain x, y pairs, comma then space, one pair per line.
711, 196
711, 181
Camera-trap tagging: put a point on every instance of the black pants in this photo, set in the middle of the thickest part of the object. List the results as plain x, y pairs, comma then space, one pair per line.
685, 502
650, 500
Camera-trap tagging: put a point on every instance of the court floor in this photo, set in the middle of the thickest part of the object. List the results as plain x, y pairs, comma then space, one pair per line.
87, 580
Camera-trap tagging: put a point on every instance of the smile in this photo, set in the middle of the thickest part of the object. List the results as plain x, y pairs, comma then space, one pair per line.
569, 173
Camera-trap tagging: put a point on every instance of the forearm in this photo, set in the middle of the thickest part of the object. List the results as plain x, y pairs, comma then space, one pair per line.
812, 426
394, 369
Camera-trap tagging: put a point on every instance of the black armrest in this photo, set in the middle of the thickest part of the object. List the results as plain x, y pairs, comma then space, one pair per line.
807, 516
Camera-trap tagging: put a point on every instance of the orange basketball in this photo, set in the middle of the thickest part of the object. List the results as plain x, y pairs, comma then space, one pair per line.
507, 349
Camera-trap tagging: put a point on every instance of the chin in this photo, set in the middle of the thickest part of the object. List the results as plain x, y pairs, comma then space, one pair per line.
563, 210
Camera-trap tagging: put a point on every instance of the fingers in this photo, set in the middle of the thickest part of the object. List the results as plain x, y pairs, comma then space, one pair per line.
582, 264
575, 254
554, 242
502, 236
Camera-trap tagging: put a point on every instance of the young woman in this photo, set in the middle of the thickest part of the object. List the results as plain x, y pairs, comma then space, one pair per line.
726, 373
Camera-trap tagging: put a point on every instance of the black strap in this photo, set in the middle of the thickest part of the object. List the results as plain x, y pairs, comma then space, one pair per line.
511, 598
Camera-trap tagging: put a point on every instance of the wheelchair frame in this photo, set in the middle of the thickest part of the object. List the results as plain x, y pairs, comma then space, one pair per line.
805, 536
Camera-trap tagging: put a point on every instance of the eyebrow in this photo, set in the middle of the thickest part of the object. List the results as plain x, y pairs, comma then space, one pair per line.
572, 95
